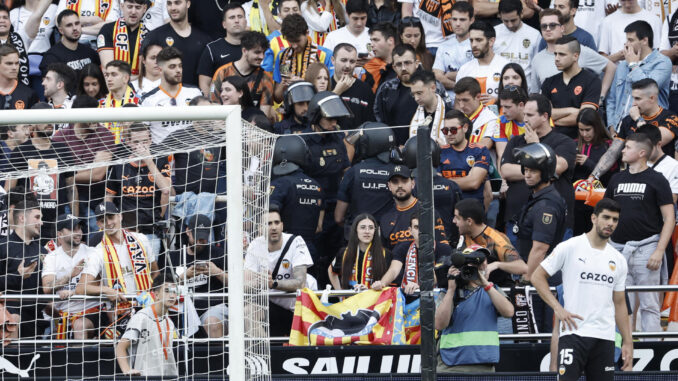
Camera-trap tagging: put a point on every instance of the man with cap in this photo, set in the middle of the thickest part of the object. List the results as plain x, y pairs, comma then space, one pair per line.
299, 197
201, 266
295, 105
60, 275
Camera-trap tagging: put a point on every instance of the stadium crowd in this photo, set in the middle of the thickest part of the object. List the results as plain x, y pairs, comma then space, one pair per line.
346, 85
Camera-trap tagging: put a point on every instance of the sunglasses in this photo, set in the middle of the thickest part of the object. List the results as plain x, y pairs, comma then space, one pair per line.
450, 130
552, 25
410, 21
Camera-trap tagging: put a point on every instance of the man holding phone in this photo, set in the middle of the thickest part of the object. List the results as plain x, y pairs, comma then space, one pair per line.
355, 32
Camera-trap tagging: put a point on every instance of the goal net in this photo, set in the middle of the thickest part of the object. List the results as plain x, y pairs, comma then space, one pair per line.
128, 258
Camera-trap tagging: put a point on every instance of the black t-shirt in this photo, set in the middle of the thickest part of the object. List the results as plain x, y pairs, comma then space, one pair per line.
216, 54
21, 97
208, 16
191, 47
664, 118
75, 59
640, 195
360, 100
440, 250
583, 88
339, 260
395, 226
518, 191
105, 39
202, 283
446, 193
398, 108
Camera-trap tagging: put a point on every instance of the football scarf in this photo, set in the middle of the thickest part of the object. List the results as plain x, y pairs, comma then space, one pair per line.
109, 101
419, 119
319, 37
411, 271
297, 64
121, 50
365, 278
101, 7
138, 258
434, 12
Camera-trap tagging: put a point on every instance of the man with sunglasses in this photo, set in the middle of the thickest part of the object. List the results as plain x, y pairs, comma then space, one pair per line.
14, 94
569, 9
170, 93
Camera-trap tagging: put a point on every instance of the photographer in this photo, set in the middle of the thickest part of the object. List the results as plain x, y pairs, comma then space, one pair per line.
471, 304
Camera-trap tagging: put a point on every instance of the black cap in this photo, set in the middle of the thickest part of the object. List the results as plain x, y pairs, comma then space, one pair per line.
107, 208
201, 227
400, 170
68, 221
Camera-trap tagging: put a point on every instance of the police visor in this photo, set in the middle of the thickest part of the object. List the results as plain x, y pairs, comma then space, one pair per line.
300, 92
333, 107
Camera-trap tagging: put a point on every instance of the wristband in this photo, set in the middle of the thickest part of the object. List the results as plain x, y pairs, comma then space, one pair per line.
489, 286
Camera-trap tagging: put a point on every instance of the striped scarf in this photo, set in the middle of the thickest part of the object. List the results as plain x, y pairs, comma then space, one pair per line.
319, 37
297, 64
121, 49
364, 278
411, 270
138, 258
109, 101
101, 7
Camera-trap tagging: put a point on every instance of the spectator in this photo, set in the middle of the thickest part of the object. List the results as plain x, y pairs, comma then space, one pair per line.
120, 93
223, 50
571, 90
355, 32
364, 261
150, 72
276, 40
431, 106
512, 74
323, 17
204, 271
379, 67
16, 95
92, 16
474, 311
411, 32
612, 42
485, 66
544, 62
286, 67
235, 91
646, 222
179, 34
58, 84
483, 120
465, 164
455, 52
669, 49
138, 351
640, 61
260, 16
60, 275
659, 161
516, 41
13, 136
68, 50
569, 10
123, 39
588, 17
207, 16
394, 103
382, 11
280, 248
12, 38
295, 106
512, 122
434, 17
356, 94
91, 82
319, 76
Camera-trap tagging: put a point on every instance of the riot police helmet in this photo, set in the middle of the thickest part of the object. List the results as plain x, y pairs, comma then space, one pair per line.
300, 91
327, 104
289, 154
375, 139
410, 153
537, 156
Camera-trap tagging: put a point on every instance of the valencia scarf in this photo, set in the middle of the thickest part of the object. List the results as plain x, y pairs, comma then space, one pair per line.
411, 270
121, 50
101, 7
297, 64
438, 12
138, 258
419, 119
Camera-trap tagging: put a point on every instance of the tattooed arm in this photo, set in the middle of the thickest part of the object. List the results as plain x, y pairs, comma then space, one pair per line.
296, 283
608, 159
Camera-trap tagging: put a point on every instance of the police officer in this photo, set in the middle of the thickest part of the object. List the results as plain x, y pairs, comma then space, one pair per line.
329, 160
446, 192
364, 188
542, 221
295, 106
299, 197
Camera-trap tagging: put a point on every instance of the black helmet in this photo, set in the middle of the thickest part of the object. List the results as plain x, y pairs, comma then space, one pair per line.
299, 91
326, 104
289, 154
537, 156
410, 153
374, 140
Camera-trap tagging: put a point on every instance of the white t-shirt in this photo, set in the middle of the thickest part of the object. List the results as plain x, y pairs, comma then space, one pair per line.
589, 15
668, 167
589, 278
432, 27
156, 15
259, 259
655, 7
544, 63
485, 123
340, 35
40, 44
451, 55
159, 98
96, 265
490, 74
60, 264
146, 350
88, 8
148, 85
612, 36
519, 47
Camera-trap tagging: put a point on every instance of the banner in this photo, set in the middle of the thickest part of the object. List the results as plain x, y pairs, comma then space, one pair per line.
371, 317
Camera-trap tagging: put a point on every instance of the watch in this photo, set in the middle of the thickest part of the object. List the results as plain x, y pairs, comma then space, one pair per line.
275, 284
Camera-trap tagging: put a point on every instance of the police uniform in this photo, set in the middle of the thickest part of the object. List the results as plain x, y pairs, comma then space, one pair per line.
289, 126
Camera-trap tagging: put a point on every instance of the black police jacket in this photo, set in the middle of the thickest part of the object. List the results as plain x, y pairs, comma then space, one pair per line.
543, 218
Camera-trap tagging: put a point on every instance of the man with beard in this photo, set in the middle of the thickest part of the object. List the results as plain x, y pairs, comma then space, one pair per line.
204, 271
60, 275
93, 16
121, 40
431, 110
295, 104
569, 9
590, 266
68, 50
254, 45
394, 104
59, 83
355, 93
170, 93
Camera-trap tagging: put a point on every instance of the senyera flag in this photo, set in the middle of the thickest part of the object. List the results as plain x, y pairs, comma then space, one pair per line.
371, 317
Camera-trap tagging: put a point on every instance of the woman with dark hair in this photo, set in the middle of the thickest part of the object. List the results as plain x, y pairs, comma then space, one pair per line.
236, 91
91, 82
149, 70
513, 74
382, 11
411, 31
364, 260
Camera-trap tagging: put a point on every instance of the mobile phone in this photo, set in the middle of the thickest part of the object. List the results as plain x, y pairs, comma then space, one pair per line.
362, 55
30, 260
201, 264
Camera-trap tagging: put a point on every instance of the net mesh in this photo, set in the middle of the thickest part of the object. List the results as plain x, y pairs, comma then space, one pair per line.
72, 291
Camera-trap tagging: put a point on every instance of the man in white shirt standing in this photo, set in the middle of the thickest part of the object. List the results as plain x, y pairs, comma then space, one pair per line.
612, 35
516, 41
355, 32
455, 52
486, 66
590, 266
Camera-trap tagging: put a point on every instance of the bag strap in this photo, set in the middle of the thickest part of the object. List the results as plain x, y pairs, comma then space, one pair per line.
282, 256
256, 95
